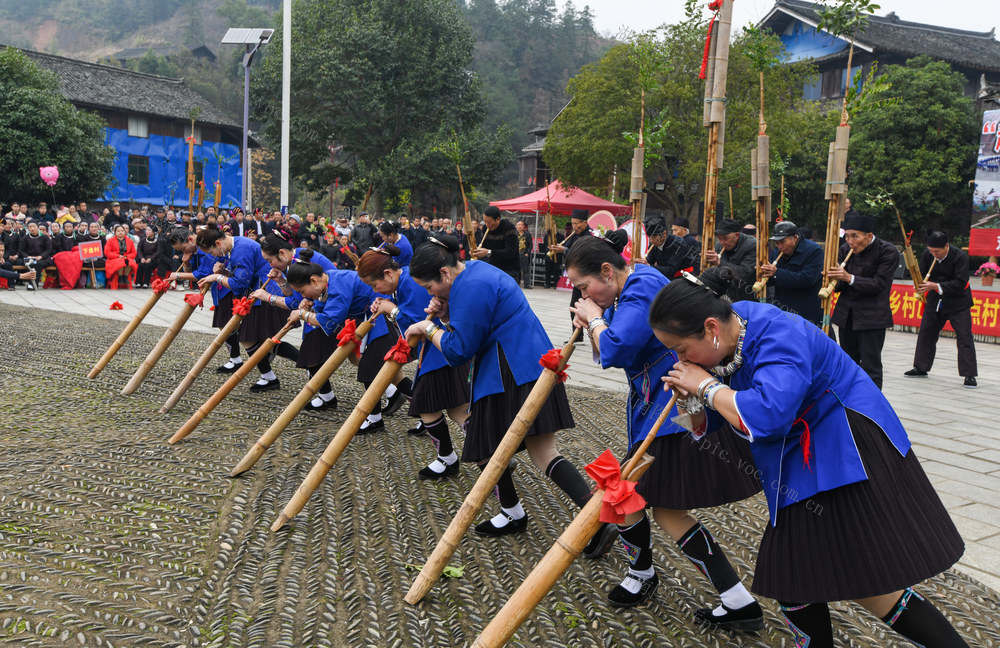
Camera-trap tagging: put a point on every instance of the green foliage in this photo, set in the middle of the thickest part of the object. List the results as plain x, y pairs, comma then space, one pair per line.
921, 148
41, 128
846, 18
758, 47
873, 93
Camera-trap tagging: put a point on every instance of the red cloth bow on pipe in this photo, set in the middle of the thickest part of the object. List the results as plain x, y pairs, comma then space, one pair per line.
348, 335
117, 305
715, 6
620, 497
551, 361
195, 300
241, 306
160, 285
399, 353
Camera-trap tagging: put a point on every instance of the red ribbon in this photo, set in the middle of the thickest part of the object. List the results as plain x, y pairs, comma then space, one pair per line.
714, 6
348, 335
551, 361
620, 498
805, 439
909, 235
399, 353
194, 300
160, 285
241, 306
116, 306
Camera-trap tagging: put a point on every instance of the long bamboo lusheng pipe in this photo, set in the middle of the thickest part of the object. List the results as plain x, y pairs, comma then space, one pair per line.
826, 291
307, 394
339, 442
759, 287
467, 214
125, 335
231, 327
563, 552
229, 385
927, 277
161, 347
489, 477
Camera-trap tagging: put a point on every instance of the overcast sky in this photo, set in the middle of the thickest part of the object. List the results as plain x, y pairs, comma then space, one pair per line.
637, 15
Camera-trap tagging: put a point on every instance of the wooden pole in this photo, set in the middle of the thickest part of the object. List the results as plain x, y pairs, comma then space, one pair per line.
470, 230
339, 442
241, 373
715, 120
636, 195
489, 477
563, 552
732, 210
307, 394
168, 337
124, 335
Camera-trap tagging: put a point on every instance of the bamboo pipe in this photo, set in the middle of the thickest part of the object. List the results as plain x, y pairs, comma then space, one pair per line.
927, 277
124, 335
635, 196
711, 195
229, 385
827, 291
490, 475
308, 392
231, 327
340, 440
168, 337
759, 287
563, 552
732, 211
467, 214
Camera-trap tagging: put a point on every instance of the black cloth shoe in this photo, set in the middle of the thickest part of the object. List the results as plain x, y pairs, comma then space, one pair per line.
970, 382
268, 386
620, 597
602, 541
915, 372
748, 618
419, 430
513, 526
368, 427
429, 473
330, 404
228, 368
395, 402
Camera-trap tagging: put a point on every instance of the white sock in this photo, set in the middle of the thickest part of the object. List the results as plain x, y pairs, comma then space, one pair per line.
374, 418
317, 402
516, 512
390, 391
633, 580
236, 361
734, 598
269, 376
450, 459
327, 397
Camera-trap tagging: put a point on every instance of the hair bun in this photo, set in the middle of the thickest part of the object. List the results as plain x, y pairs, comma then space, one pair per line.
306, 255
447, 241
718, 279
618, 239
391, 249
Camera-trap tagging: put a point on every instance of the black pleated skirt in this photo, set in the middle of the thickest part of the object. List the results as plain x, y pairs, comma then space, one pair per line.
373, 357
864, 539
440, 389
223, 312
490, 416
316, 348
263, 321
690, 474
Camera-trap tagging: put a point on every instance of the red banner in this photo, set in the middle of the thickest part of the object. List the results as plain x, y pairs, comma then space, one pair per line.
984, 242
90, 250
907, 310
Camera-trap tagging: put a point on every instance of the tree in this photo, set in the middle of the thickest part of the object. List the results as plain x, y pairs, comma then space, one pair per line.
587, 147
384, 80
41, 128
921, 149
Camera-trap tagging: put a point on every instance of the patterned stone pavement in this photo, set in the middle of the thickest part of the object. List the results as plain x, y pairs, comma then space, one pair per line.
110, 537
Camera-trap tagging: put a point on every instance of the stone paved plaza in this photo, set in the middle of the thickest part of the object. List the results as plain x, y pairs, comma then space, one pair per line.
111, 537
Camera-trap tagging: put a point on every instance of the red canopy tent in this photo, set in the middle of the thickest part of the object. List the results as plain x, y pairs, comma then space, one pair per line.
564, 200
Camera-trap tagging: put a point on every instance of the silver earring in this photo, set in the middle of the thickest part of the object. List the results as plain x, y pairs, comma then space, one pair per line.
715, 342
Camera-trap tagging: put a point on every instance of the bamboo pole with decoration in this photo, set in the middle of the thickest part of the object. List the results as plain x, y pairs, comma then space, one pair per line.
611, 481
218, 196
636, 194
348, 341
715, 69
191, 302
368, 195
909, 258
555, 364
836, 194
159, 287
761, 189
241, 308
397, 356
467, 225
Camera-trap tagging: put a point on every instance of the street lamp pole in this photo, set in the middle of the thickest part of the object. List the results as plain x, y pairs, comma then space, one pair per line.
286, 97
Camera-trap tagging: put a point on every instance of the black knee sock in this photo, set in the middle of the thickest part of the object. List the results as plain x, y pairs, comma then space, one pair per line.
287, 351
505, 490
809, 623
918, 620
702, 549
406, 386
233, 342
326, 388
378, 404
568, 478
264, 365
638, 542
438, 431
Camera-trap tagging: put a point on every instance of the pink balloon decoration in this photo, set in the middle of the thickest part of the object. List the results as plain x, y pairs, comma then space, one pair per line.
50, 175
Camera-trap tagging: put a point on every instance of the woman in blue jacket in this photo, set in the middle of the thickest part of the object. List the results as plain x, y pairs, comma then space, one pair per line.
685, 475
852, 514
437, 386
489, 322
391, 236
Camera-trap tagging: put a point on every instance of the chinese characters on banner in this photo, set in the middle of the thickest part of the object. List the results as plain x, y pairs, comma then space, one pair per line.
907, 310
984, 238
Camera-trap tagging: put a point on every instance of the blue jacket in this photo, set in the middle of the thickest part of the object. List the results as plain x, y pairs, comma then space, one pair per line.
798, 279
794, 375
347, 297
629, 343
293, 300
489, 312
405, 252
412, 299
248, 269
202, 265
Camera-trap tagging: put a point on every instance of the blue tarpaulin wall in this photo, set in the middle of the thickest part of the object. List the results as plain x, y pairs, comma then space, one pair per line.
804, 42
168, 158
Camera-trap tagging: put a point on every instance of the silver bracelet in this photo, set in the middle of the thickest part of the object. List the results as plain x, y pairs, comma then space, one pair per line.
691, 404
431, 329
594, 323
700, 392
393, 314
710, 394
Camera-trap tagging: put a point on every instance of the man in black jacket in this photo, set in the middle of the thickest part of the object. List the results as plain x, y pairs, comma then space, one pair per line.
863, 313
667, 253
363, 234
738, 252
798, 274
949, 299
499, 245
682, 229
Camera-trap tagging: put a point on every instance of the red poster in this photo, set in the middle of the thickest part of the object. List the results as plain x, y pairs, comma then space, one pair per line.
907, 310
984, 239
91, 250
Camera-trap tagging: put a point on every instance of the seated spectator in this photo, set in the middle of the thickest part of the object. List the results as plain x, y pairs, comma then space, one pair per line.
93, 234
35, 250
330, 248
311, 231
120, 254
43, 215
148, 252
7, 273
344, 260
65, 240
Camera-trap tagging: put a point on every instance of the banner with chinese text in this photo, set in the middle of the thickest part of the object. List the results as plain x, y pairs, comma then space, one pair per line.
907, 310
984, 238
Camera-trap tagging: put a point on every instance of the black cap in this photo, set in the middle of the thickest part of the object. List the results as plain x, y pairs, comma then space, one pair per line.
859, 223
784, 229
937, 239
580, 214
655, 228
727, 226
682, 222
